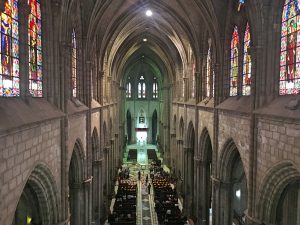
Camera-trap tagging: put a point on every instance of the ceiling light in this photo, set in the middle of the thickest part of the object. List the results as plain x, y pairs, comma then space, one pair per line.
145, 40
149, 12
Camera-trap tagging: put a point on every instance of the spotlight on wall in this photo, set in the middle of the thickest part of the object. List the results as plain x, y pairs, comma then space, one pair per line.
149, 13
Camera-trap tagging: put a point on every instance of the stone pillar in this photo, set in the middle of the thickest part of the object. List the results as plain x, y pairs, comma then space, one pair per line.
222, 202
24, 11
87, 198
173, 155
197, 189
75, 204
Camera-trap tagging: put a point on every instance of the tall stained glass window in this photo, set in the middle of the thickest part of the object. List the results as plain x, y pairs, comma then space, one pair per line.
234, 66
208, 73
9, 68
247, 63
155, 88
128, 90
74, 65
290, 49
142, 88
35, 49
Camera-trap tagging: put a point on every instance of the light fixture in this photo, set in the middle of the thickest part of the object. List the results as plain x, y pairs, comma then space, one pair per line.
149, 13
145, 40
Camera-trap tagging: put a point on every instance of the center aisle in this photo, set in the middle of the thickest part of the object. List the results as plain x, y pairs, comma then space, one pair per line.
146, 214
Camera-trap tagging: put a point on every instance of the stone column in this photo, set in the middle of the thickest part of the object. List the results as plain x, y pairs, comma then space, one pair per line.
75, 204
87, 198
24, 11
173, 151
197, 189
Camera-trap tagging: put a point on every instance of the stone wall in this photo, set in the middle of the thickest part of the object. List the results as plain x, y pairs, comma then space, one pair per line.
21, 152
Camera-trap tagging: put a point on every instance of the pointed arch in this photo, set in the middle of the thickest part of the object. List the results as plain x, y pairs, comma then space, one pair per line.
77, 162
41, 191
205, 146
229, 155
190, 138
233, 197
272, 187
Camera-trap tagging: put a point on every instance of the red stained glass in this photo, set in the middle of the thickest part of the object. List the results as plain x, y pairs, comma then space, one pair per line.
9, 47
35, 49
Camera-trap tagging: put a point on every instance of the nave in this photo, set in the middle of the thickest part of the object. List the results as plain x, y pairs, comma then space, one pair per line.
145, 196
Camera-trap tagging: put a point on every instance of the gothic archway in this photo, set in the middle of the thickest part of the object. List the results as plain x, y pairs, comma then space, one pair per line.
233, 186
38, 203
280, 190
189, 175
205, 183
76, 198
96, 173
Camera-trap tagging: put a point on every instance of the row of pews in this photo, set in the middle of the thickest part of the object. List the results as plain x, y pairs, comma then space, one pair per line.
166, 200
124, 211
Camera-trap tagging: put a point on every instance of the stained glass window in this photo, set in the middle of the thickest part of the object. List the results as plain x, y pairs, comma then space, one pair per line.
139, 90
247, 63
9, 68
128, 90
193, 80
290, 49
74, 65
35, 49
142, 88
155, 89
234, 66
208, 73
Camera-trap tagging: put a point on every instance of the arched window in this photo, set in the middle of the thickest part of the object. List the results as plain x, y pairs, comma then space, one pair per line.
234, 65
74, 65
128, 90
155, 88
247, 63
208, 73
35, 49
139, 90
9, 69
142, 88
193, 81
290, 53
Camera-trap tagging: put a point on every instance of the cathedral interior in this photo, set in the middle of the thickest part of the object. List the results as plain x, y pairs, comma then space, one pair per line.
202, 95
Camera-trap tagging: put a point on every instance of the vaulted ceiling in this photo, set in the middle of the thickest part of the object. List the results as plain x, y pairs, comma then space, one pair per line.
174, 33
